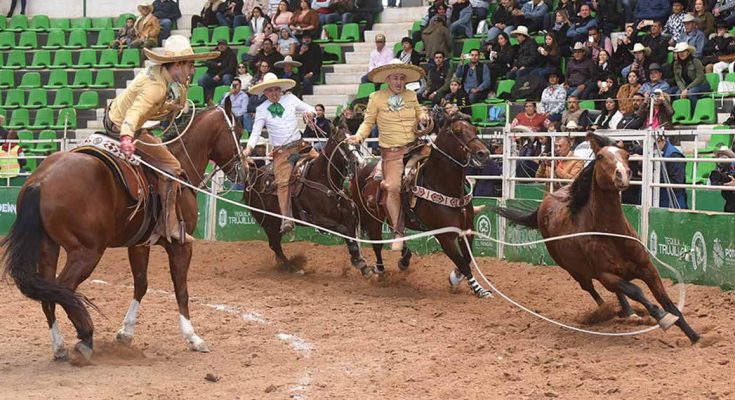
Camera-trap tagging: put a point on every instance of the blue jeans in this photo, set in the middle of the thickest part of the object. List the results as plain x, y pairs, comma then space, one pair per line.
208, 83
247, 122
222, 19
628, 6
328, 18
463, 25
239, 20
308, 84
493, 32
166, 25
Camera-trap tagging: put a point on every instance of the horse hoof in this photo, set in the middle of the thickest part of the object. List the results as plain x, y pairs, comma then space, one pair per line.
667, 320
124, 338
455, 278
483, 294
61, 354
200, 347
84, 350
403, 265
634, 317
366, 272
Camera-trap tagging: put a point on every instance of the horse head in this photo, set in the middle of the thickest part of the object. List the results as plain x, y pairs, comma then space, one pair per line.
458, 140
611, 163
340, 153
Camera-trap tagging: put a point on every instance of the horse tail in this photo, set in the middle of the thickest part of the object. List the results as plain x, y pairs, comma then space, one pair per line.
22, 254
519, 217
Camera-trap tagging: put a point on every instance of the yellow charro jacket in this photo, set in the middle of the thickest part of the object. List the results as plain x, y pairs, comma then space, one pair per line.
396, 127
147, 98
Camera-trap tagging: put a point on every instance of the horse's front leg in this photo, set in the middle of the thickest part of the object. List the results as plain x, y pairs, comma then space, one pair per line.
449, 244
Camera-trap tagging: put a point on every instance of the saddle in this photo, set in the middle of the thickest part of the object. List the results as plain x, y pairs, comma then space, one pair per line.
413, 160
300, 162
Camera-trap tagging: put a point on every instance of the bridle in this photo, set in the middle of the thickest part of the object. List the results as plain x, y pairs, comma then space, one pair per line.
465, 146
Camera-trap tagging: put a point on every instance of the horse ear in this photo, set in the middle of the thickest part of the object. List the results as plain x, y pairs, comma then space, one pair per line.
597, 142
228, 106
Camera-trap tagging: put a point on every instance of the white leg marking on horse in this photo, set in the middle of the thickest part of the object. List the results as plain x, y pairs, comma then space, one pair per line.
98, 282
455, 277
125, 334
57, 342
195, 342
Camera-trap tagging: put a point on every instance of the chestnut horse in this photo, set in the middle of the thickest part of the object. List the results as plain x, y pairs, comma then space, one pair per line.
320, 200
455, 147
592, 204
74, 201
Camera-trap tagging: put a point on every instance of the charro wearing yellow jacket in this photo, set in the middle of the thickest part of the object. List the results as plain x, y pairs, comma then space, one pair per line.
564, 169
156, 93
395, 111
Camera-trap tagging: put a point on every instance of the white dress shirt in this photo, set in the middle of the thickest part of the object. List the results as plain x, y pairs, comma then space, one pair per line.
380, 58
281, 130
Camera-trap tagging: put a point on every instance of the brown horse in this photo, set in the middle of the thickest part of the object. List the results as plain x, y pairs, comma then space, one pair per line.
74, 201
319, 198
455, 147
592, 204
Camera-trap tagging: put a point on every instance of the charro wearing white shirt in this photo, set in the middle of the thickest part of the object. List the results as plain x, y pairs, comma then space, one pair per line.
278, 116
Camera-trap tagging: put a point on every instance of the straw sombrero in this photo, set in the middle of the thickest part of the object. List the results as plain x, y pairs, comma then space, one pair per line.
381, 74
287, 60
683, 46
177, 48
271, 80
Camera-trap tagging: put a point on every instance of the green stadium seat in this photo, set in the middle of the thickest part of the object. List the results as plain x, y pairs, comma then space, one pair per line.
57, 79
30, 80
77, 39
56, 39
336, 49
87, 58
730, 77
82, 23
3, 24
104, 39
7, 79
28, 40
130, 59
104, 79
26, 139
682, 110
479, 114
704, 112
219, 93
108, 59
99, 24
200, 50
196, 95
7, 40
332, 31
49, 146
397, 46
419, 46
200, 36
504, 86
365, 90
241, 35
16, 60
64, 97
587, 104
37, 98
199, 72
18, 23
60, 23
14, 98
220, 33
88, 100
121, 19
416, 26
41, 60
20, 119
67, 119
82, 79
468, 45
240, 52
40, 23
714, 80
62, 59
350, 33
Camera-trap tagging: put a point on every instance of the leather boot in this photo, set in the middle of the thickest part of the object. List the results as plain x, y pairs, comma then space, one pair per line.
393, 207
169, 225
284, 202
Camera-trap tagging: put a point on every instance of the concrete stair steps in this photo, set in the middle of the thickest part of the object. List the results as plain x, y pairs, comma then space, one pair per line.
367, 47
357, 58
393, 32
342, 79
402, 14
348, 89
332, 100
352, 68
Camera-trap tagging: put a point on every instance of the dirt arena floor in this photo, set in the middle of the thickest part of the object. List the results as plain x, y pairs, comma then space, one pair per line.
322, 335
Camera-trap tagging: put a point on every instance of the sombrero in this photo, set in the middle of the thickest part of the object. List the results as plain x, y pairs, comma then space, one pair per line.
177, 48
271, 80
724, 152
145, 4
381, 74
640, 47
287, 60
683, 46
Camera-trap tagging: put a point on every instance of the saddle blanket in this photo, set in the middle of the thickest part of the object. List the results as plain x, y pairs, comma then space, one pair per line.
109, 145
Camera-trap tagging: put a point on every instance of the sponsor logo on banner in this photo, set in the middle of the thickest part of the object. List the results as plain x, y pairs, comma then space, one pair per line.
222, 218
484, 226
668, 246
234, 218
699, 252
718, 254
653, 243
7, 208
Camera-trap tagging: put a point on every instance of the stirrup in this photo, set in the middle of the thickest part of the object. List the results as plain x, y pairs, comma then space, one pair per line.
287, 226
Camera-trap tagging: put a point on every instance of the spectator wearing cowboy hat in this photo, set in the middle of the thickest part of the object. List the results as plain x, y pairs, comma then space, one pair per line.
147, 27
641, 62
688, 74
693, 35
287, 66
220, 71
554, 96
527, 55
581, 71
674, 27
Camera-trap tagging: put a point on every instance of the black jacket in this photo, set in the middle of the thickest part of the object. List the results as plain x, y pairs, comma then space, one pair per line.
311, 59
527, 54
415, 56
659, 48
226, 63
166, 9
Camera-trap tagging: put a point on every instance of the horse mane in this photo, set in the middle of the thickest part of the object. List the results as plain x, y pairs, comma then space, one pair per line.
580, 190
172, 133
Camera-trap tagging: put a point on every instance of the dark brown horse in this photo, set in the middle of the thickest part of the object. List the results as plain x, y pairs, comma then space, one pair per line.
74, 201
455, 147
592, 204
320, 198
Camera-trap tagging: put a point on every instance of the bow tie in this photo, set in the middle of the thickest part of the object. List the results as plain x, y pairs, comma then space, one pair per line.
276, 110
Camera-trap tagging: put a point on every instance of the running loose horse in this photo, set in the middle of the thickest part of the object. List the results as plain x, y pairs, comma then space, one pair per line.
442, 177
592, 204
318, 197
73, 200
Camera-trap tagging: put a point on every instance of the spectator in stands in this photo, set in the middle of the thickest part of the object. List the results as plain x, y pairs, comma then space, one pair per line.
688, 74
220, 71
479, 8
597, 42
647, 11
662, 111
527, 55
147, 27
125, 35
246, 16
461, 19
263, 67
208, 15
603, 84
475, 77
573, 113
457, 96
13, 4
692, 35
622, 56
407, 54
582, 24
380, 55
325, 12
655, 82
437, 79
641, 62
561, 26
167, 12
286, 44
610, 16
322, 123
488, 187
244, 76
310, 55
503, 20
232, 9
723, 175
436, 37
11, 155
501, 55
564, 169
581, 71
675, 24
364, 10
706, 19
282, 16
239, 101
256, 19
657, 44
626, 92
305, 21
531, 15
529, 146
256, 44
554, 97
719, 51
287, 66
609, 117
530, 119
672, 172
267, 53
724, 11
